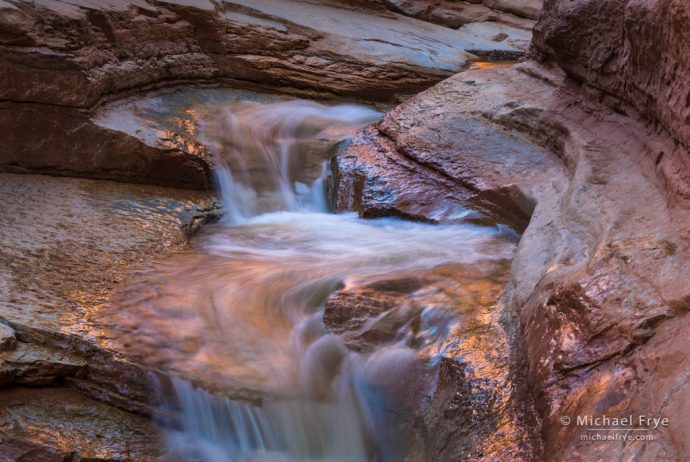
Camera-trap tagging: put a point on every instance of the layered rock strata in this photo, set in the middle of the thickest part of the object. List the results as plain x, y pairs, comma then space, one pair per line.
60, 60
456, 13
68, 244
637, 51
508, 22
599, 283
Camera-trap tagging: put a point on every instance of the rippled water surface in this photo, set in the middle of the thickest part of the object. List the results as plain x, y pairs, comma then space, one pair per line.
271, 368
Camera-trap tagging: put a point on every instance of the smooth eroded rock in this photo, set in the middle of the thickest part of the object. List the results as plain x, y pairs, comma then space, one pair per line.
636, 50
67, 246
454, 13
461, 402
59, 61
599, 282
408, 166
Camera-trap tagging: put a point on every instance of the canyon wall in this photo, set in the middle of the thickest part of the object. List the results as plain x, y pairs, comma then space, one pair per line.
588, 142
637, 50
60, 61
455, 13
599, 292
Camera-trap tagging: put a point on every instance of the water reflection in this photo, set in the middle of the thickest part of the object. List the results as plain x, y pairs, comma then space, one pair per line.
244, 315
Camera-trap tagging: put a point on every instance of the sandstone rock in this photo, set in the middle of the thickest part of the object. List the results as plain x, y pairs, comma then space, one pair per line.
68, 244
453, 13
37, 366
405, 170
600, 278
8, 341
640, 57
367, 317
461, 403
526, 8
516, 37
370, 177
639, 53
60, 60
65, 141
57, 424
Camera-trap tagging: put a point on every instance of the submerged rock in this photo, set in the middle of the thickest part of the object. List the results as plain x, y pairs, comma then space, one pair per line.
460, 401
67, 245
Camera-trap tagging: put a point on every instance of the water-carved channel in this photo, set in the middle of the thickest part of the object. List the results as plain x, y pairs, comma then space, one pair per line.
304, 335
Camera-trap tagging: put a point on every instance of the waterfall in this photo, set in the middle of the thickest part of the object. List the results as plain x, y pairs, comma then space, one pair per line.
254, 311
254, 145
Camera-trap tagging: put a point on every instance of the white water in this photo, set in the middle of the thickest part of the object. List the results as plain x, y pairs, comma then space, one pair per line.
259, 141
273, 260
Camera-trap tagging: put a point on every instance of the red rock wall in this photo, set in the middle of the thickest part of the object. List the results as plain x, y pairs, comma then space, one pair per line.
637, 50
60, 59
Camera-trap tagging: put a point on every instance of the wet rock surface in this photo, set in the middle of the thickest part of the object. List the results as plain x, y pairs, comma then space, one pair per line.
61, 60
463, 403
69, 242
67, 245
369, 176
411, 166
597, 293
600, 277
58, 424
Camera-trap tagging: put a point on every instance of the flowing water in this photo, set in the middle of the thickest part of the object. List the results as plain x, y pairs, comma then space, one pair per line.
245, 315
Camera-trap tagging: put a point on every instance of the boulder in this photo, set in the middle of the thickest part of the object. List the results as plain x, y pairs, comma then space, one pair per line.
369, 176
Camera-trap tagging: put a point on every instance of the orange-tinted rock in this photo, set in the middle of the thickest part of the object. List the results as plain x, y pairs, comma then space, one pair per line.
410, 166
57, 424
599, 283
67, 245
371, 177
60, 60
460, 403
65, 141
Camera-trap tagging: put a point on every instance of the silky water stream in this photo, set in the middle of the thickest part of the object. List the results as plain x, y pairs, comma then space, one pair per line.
248, 314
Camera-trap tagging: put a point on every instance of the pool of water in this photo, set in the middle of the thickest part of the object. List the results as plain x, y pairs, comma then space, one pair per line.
259, 375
